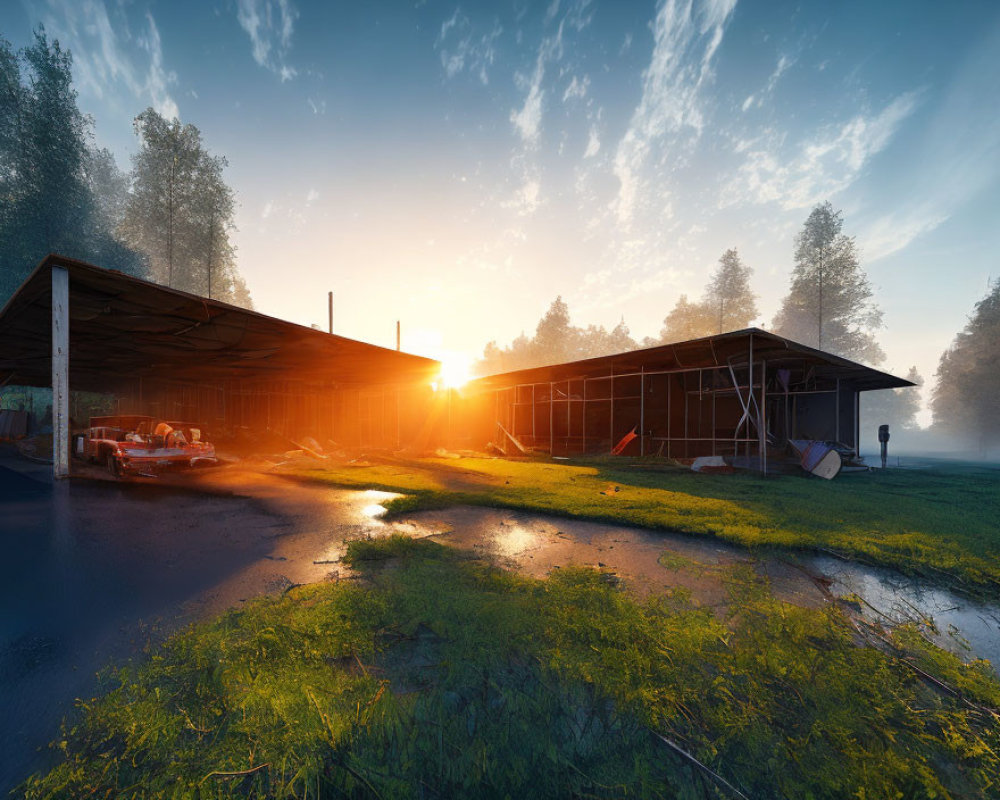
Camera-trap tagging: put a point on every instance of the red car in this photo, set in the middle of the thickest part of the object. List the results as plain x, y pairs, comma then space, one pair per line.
133, 444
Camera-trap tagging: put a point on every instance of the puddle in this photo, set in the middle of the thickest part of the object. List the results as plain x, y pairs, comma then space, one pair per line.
374, 503
652, 561
966, 628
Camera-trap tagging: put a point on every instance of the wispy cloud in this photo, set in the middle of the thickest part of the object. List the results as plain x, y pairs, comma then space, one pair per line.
685, 40
577, 88
527, 198
819, 167
270, 25
892, 232
104, 60
158, 78
527, 120
955, 163
757, 99
462, 48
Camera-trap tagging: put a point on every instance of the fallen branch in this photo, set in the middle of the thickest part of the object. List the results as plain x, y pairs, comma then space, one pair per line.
242, 773
932, 679
715, 776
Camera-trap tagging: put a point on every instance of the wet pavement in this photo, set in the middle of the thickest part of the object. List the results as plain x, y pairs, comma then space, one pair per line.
94, 570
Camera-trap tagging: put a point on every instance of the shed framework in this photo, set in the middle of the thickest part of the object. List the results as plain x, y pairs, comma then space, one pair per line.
736, 394
167, 353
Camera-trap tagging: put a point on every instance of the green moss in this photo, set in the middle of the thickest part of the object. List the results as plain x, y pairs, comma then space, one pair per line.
443, 677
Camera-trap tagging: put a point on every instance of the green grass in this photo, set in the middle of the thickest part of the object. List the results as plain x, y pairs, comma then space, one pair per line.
940, 522
440, 676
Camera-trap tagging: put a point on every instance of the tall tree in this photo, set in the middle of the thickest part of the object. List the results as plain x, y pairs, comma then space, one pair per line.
966, 399
214, 207
728, 296
829, 304
108, 187
687, 320
555, 338
180, 212
158, 216
596, 340
47, 197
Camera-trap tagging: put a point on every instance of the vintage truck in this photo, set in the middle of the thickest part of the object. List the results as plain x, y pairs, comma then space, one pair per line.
141, 445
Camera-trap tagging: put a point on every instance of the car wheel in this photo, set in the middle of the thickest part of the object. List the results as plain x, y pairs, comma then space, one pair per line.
112, 463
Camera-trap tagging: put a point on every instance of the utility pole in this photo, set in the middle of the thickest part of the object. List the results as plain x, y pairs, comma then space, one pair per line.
330, 307
397, 335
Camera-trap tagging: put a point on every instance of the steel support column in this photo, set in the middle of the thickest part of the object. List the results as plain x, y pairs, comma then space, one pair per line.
642, 415
552, 418
60, 372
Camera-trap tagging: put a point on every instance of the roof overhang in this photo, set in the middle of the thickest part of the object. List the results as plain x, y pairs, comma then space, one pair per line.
123, 328
721, 350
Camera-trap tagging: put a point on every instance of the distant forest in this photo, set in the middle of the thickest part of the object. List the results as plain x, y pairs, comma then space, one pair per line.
169, 219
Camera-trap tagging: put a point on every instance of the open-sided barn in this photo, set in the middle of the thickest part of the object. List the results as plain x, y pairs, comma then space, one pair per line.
720, 395
174, 355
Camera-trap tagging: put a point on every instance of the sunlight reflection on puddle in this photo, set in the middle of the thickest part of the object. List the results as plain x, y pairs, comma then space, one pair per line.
512, 541
375, 507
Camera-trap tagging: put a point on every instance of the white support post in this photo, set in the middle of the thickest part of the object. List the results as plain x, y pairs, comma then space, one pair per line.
60, 372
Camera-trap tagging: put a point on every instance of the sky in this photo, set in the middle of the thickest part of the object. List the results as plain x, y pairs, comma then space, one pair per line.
456, 166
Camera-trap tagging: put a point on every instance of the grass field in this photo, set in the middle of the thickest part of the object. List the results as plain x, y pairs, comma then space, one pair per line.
942, 522
440, 676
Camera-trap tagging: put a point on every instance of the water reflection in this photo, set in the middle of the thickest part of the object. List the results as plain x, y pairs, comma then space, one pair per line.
512, 540
375, 501
966, 628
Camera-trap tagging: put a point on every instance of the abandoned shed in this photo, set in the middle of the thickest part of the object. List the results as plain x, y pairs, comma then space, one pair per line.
174, 355
739, 395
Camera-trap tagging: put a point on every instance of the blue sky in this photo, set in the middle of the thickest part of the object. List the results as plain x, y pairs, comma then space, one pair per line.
457, 165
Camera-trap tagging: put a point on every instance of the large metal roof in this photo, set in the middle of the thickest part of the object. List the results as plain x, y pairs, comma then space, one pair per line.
123, 328
710, 351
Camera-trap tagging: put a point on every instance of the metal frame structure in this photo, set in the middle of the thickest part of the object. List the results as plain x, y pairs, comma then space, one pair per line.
739, 395
167, 353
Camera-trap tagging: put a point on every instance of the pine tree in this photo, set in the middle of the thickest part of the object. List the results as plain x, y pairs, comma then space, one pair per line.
829, 304
728, 295
966, 400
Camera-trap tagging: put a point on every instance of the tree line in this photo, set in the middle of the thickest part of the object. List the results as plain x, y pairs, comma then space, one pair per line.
169, 219
829, 305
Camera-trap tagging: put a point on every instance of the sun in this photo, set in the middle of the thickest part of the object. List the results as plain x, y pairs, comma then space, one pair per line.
456, 370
